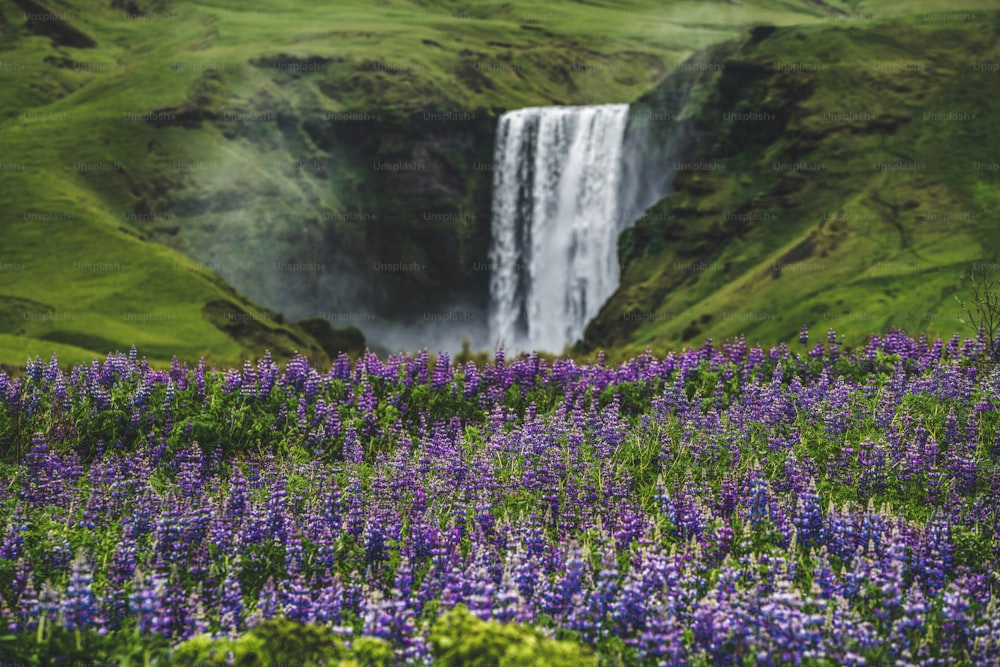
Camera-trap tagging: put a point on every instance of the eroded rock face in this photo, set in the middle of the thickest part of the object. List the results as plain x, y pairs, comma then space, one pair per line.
377, 213
416, 233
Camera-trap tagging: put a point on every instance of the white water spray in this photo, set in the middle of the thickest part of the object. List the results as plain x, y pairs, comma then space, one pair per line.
556, 221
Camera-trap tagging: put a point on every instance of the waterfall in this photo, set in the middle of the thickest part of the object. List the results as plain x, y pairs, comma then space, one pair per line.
556, 221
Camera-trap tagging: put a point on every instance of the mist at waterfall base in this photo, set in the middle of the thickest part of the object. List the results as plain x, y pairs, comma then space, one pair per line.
556, 218
567, 181
447, 332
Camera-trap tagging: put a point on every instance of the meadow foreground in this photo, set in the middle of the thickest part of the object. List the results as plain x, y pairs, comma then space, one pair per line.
723, 505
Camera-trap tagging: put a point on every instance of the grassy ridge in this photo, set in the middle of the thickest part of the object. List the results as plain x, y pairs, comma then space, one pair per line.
65, 106
234, 208
870, 227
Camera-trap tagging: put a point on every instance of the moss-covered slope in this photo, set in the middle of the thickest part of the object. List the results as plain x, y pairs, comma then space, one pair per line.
154, 152
841, 176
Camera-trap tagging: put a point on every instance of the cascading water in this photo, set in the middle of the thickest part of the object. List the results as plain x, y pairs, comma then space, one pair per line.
556, 221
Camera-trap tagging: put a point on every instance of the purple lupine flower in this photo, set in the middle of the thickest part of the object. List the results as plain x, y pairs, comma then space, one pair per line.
808, 519
510, 606
329, 602
759, 503
295, 597
872, 460
662, 638
342, 367
27, 610
60, 554
145, 603
956, 625
368, 406
605, 594
892, 580
986, 631
48, 604
172, 614
231, 604
630, 526
726, 499
236, 504
391, 619
375, 542
524, 572
691, 516
570, 587
934, 558
442, 372
479, 586
630, 611
864, 560
294, 552
195, 621
277, 511
471, 380
841, 533
268, 604
190, 470
44, 475
404, 578
13, 540
354, 451
355, 520
961, 464
912, 621
823, 576
872, 533
79, 607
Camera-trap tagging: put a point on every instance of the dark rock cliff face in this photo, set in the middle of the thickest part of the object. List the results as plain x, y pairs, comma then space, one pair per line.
377, 218
427, 188
421, 207
376, 215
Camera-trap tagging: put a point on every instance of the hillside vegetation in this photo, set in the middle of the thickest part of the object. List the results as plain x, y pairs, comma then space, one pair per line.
839, 177
157, 155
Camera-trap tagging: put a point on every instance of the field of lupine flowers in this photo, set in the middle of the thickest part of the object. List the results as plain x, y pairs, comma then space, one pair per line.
726, 505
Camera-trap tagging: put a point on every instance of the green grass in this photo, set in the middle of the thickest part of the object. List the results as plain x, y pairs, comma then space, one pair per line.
898, 242
95, 288
217, 57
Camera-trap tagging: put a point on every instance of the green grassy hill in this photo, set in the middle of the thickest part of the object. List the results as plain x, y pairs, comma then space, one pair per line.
856, 198
154, 153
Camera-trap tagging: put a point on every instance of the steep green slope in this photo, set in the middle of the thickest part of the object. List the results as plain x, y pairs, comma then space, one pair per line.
299, 149
136, 137
71, 274
838, 177
230, 133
